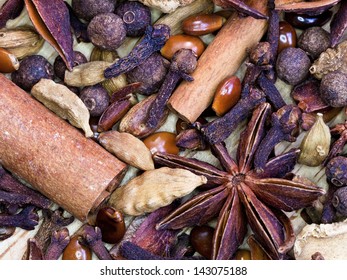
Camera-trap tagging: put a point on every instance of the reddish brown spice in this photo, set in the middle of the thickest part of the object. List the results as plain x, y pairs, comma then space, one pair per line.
76, 251
287, 36
164, 142
198, 25
227, 95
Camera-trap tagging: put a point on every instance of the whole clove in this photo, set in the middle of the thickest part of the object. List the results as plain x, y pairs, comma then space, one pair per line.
59, 240
154, 40
183, 63
219, 129
92, 237
285, 125
26, 219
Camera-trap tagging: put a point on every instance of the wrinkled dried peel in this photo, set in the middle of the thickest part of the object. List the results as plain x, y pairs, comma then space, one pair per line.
66, 104
127, 148
87, 74
154, 189
331, 60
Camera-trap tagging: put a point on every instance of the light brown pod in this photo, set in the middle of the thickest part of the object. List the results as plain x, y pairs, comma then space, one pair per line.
53, 156
154, 189
8, 61
198, 25
127, 148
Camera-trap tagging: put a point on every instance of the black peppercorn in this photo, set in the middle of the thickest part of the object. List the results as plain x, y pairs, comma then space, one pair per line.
150, 73
293, 65
107, 31
60, 66
314, 41
333, 89
136, 17
336, 171
96, 99
87, 9
340, 201
31, 70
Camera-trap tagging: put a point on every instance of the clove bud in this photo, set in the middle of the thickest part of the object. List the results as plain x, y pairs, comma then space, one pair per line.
315, 146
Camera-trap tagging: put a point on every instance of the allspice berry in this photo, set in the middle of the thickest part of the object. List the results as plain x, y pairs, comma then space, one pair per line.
314, 41
107, 31
60, 66
96, 99
336, 171
293, 65
339, 201
333, 89
87, 9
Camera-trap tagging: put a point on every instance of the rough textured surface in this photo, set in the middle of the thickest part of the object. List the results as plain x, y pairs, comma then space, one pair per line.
333, 89
53, 156
293, 65
314, 41
87, 9
150, 73
166, 6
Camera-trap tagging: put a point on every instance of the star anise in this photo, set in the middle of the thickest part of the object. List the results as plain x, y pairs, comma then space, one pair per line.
241, 195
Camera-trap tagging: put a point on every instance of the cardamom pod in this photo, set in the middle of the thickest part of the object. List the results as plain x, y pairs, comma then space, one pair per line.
154, 189
87, 74
127, 148
21, 41
103, 55
66, 104
316, 143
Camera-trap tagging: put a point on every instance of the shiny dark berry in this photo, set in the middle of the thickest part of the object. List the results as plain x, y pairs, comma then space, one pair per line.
201, 239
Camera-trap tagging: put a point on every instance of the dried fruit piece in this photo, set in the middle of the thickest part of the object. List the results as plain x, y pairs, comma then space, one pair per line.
76, 251
315, 146
331, 60
127, 148
64, 103
8, 61
51, 19
154, 189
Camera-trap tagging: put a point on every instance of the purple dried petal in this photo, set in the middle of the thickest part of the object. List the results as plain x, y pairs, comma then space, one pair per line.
10, 10
231, 228
51, 19
338, 25
131, 251
284, 194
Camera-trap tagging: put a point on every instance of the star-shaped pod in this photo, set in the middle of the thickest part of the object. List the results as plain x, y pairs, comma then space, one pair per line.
241, 195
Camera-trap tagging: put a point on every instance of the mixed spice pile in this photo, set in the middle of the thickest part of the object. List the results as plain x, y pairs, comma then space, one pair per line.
214, 185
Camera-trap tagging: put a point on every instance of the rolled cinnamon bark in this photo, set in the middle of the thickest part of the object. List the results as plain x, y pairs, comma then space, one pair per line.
222, 58
53, 156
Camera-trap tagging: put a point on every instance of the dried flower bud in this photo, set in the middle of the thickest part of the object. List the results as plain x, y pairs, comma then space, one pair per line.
315, 146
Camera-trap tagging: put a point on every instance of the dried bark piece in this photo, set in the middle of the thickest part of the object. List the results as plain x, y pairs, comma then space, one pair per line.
338, 25
324, 238
64, 103
166, 6
87, 74
154, 189
305, 7
127, 148
10, 10
331, 60
51, 19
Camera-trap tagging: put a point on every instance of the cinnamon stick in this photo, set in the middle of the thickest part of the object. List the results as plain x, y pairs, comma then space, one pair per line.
53, 156
222, 58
